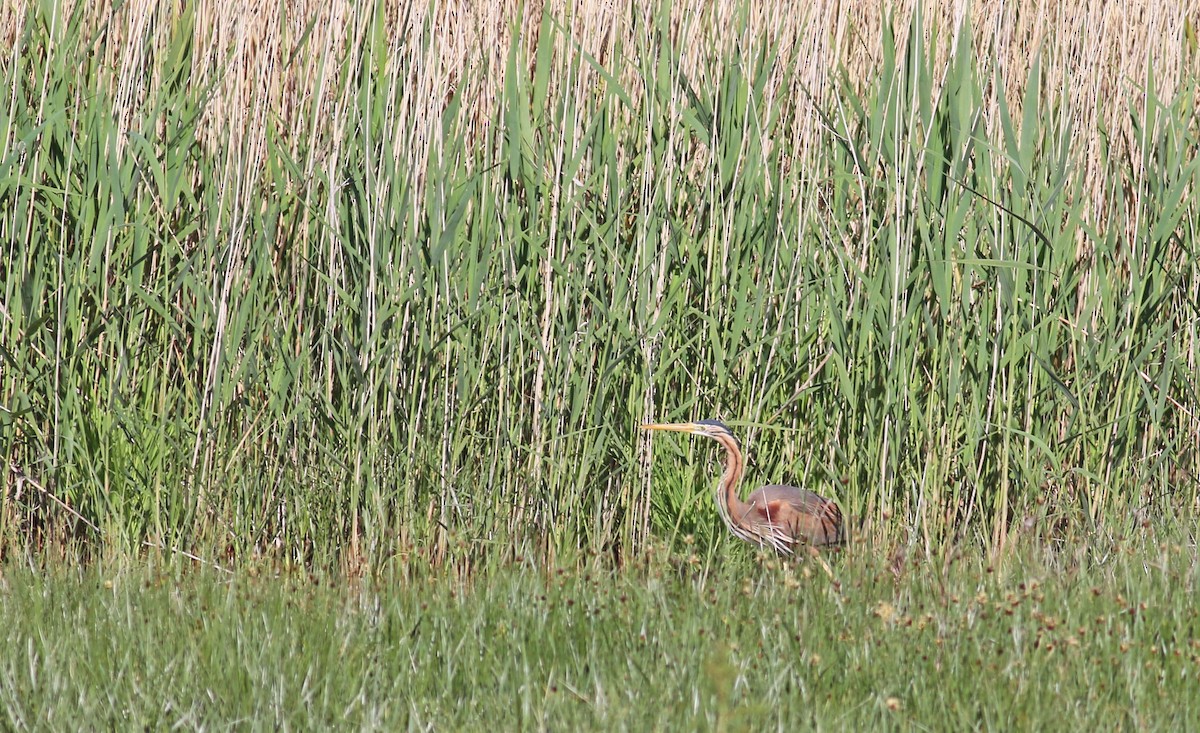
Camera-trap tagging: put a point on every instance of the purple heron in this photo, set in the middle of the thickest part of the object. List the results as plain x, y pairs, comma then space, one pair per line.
782, 517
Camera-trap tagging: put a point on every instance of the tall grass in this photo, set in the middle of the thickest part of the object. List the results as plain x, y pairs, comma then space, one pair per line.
361, 285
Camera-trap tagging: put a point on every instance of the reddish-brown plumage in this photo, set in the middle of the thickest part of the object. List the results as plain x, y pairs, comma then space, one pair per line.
783, 517
801, 513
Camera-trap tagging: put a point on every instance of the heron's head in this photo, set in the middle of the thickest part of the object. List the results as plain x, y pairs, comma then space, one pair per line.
710, 428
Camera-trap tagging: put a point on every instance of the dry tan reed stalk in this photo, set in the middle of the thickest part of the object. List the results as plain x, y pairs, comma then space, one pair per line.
268, 65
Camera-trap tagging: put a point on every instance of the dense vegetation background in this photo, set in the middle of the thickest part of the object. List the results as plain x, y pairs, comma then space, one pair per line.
360, 283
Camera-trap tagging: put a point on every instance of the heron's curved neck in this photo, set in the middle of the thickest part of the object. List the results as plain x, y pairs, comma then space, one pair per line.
728, 501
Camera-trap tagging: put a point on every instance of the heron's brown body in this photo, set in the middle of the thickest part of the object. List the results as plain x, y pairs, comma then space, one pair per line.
782, 517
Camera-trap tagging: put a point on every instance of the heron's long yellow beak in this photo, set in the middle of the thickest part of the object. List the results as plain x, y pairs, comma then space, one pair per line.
675, 427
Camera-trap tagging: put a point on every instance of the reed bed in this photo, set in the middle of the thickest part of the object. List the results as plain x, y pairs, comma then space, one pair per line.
357, 285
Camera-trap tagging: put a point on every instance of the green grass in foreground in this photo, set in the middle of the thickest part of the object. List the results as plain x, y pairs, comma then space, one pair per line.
1082, 640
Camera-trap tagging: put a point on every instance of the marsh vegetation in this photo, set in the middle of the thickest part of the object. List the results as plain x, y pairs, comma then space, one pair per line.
379, 294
